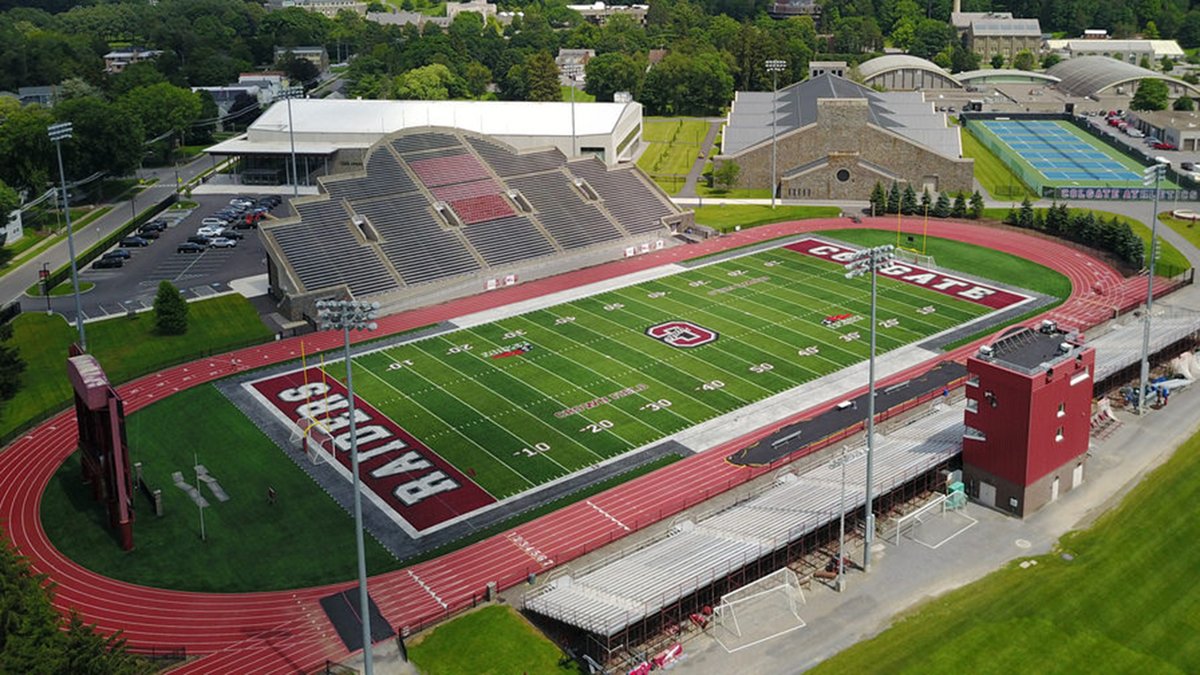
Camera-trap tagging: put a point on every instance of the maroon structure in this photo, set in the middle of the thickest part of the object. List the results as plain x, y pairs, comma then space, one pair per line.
100, 415
1029, 401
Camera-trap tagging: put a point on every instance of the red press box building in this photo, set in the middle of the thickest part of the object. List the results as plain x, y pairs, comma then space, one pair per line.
1029, 400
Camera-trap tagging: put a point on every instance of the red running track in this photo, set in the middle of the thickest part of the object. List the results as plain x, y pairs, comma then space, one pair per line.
285, 631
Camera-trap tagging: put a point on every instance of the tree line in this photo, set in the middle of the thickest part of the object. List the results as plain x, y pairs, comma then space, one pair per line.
906, 202
1111, 235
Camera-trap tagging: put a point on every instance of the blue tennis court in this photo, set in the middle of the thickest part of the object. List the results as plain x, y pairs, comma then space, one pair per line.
1058, 153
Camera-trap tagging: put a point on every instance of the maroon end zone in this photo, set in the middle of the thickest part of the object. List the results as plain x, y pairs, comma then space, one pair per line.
971, 291
419, 487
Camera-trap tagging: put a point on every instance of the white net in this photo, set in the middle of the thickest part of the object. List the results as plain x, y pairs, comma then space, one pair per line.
912, 256
758, 610
312, 437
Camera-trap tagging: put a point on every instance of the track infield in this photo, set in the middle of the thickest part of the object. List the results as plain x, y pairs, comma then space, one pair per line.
459, 421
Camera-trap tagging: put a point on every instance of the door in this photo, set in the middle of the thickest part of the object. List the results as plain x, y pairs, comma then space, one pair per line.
1054, 490
987, 494
1077, 477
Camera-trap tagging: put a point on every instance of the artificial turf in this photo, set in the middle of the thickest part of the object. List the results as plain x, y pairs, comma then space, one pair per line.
1124, 603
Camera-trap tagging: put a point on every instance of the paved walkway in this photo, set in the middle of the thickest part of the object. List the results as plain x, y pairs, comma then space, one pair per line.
693, 177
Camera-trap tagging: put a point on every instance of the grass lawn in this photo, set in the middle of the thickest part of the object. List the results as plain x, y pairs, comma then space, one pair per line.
757, 193
725, 217
1186, 228
1125, 604
993, 174
303, 540
125, 347
493, 640
674, 145
1170, 259
581, 96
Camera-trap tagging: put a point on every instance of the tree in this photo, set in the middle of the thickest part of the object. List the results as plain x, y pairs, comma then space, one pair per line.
24, 146
688, 84
434, 82
726, 175
893, 200
1151, 94
976, 211
105, 137
1024, 60
170, 310
534, 79
959, 209
162, 108
299, 70
1167, 64
997, 61
613, 72
941, 208
926, 202
878, 200
1050, 60
1025, 215
11, 367
908, 203
1184, 103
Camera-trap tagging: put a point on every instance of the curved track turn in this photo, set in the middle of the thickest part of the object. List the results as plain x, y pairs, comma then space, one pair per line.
285, 631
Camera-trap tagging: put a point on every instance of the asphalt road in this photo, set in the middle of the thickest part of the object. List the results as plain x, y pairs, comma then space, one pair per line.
133, 286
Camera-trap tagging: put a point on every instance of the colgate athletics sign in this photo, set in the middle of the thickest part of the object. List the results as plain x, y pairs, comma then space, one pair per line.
401, 474
971, 291
684, 334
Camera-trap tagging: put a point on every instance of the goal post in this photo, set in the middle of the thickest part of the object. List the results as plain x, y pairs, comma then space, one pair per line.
311, 436
779, 588
911, 521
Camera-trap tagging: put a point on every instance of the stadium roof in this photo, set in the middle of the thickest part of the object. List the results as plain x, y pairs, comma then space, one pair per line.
1002, 75
321, 124
889, 62
1092, 75
905, 113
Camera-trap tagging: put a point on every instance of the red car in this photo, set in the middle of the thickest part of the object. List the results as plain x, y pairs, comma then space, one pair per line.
1163, 145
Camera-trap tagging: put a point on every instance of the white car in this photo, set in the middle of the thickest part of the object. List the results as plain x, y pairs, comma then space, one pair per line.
210, 230
214, 222
222, 242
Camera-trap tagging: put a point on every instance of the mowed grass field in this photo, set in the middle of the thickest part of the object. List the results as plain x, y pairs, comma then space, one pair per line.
1126, 603
992, 173
510, 423
674, 145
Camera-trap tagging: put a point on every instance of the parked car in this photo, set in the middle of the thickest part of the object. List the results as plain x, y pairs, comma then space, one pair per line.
119, 253
157, 225
108, 263
222, 242
229, 233
214, 222
211, 230
190, 247
1187, 166
135, 242
149, 234
1164, 145
197, 239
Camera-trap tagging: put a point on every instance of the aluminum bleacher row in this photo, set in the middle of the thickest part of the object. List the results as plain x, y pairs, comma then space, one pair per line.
382, 230
610, 597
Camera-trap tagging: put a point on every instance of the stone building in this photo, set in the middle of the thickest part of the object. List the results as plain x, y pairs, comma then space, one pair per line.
835, 139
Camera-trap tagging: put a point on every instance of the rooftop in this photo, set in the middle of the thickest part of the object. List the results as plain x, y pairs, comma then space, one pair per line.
1028, 351
1005, 26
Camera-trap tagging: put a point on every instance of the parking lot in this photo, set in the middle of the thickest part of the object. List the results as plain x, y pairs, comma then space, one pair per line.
200, 274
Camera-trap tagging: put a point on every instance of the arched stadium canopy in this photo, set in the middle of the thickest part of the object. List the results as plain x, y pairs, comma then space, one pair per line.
1093, 75
1003, 76
880, 66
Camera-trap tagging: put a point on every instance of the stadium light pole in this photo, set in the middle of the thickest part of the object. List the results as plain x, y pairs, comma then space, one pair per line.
348, 315
774, 66
290, 93
574, 142
868, 261
58, 133
1150, 176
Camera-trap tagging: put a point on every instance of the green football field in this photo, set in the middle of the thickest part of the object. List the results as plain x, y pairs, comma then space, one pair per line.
594, 384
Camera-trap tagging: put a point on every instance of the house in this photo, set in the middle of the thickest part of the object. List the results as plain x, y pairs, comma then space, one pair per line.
116, 60
318, 56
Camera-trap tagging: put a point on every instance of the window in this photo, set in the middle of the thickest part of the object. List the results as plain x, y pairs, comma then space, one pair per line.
1058, 435
972, 405
973, 381
843, 175
1062, 409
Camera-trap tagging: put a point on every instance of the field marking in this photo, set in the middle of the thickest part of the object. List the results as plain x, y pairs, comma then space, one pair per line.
521, 408
447, 424
557, 401
426, 588
608, 515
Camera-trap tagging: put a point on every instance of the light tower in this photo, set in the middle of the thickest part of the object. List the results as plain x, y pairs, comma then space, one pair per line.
58, 133
774, 66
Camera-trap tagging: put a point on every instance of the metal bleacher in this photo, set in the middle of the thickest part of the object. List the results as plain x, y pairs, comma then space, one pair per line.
506, 164
508, 240
424, 141
638, 210
608, 598
384, 176
324, 251
563, 212
414, 239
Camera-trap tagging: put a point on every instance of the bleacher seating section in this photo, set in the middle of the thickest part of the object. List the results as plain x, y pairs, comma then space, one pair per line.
406, 174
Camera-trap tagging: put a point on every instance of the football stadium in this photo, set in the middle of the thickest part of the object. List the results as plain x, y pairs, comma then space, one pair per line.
531, 379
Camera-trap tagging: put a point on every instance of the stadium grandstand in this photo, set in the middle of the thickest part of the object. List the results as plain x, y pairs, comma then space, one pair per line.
439, 213
331, 136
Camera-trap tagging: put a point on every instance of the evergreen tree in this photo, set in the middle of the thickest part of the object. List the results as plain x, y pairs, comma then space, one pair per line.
926, 202
1025, 216
170, 310
11, 365
893, 200
878, 200
941, 208
1011, 217
908, 203
1039, 220
976, 206
959, 210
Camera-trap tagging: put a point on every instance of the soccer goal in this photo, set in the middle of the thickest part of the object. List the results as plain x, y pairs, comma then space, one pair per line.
757, 611
312, 437
935, 523
912, 256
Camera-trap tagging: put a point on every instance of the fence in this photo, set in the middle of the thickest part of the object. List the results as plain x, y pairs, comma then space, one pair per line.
165, 656
1025, 173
